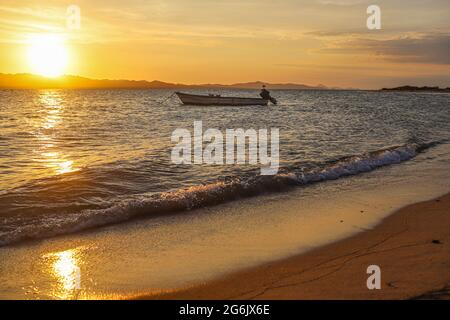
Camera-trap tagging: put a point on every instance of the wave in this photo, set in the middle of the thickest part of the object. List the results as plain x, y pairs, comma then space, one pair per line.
182, 200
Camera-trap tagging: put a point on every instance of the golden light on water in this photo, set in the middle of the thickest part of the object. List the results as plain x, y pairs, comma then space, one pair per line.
47, 55
57, 163
52, 107
64, 268
65, 167
67, 270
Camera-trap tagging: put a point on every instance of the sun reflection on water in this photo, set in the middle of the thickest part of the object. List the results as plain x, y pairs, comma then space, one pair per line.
52, 107
64, 268
65, 167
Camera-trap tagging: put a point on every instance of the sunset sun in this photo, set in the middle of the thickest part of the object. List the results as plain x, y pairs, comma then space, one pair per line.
47, 55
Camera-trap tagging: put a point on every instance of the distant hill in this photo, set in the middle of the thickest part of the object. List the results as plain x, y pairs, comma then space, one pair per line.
30, 81
417, 89
259, 84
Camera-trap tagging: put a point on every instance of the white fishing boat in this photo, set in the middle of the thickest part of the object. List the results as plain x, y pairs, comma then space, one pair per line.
217, 100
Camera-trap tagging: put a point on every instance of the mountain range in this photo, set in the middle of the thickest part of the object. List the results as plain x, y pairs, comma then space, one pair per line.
31, 81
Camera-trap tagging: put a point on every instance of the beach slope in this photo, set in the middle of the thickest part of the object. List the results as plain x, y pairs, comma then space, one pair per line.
411, 246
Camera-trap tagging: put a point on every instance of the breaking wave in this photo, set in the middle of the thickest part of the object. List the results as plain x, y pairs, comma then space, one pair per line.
158, 204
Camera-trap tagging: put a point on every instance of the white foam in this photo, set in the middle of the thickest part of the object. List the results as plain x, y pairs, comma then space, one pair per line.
202, 195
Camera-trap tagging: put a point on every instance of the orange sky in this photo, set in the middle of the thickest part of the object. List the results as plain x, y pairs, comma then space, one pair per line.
227, 41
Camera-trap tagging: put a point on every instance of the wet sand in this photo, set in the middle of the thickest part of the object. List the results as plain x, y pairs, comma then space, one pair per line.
411, 246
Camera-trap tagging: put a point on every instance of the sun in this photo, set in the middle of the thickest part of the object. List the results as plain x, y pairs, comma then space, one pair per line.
47, 55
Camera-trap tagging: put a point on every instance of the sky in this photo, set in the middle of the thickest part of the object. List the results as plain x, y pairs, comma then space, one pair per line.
228, 41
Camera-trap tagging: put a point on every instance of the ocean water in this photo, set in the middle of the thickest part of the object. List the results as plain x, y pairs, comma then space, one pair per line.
72, 160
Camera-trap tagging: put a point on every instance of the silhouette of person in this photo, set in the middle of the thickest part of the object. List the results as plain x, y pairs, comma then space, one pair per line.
265, 94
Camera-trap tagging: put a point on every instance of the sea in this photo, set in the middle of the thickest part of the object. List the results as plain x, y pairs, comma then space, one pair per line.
77, 160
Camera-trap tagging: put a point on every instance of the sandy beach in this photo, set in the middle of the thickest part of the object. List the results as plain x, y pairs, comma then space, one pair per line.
410, 246
226, 150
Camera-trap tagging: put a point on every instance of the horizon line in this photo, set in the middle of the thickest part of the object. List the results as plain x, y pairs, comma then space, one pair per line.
147, 80
43, 82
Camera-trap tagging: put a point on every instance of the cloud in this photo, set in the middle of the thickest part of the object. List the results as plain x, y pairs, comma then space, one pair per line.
424, 48
341, 2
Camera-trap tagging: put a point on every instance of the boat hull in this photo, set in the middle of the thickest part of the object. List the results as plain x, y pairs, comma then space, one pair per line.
201, 100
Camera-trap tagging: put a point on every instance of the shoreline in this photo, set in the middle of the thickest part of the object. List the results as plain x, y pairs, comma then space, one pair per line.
411, 246
216, 244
